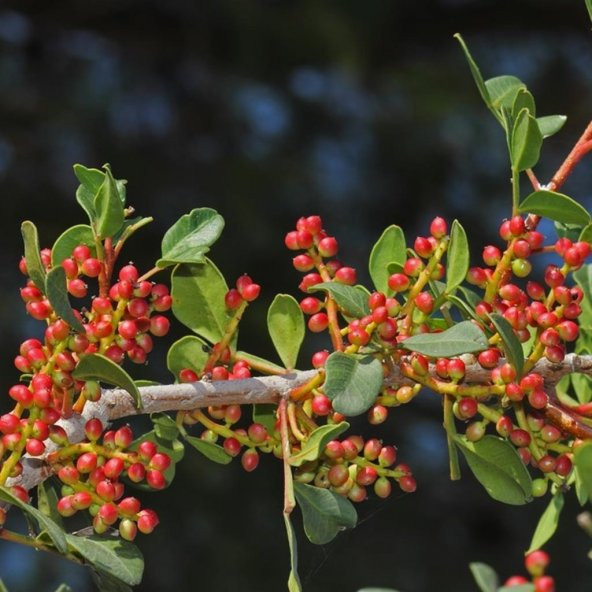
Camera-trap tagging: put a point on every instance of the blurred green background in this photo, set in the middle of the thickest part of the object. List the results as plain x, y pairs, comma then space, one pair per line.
362, 112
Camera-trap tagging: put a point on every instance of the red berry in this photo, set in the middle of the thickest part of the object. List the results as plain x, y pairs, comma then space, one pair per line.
250, 459
438, 227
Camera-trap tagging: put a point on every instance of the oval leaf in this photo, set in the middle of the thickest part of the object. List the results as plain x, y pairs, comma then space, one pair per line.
498, 467
55, 533
523, 100
458, 257
503, 90
474, 71
57, 294
101, 368
462, 338
389, 248
109, 207
188, 352
547, 524
190, 237
316, 442
285, 322
165, 426
352, 382
198, 299
325, 513
294, 584
550, 124
352, 300
555, 206
81, 234
35, 267
114, 556
526, 142
511, 344
210, 450
47, 501
485, 577
90, 183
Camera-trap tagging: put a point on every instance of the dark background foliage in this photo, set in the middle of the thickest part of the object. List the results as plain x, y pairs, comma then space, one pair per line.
362, 112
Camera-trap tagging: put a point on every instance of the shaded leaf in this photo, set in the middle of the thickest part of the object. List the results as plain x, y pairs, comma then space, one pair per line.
81, 234
526, 142
325, 513
285, 322
198, 293
294, 584
547, 524
108, 207
57, 294
511, 344
390, 248
100, 368
118, 558
35, 267
549, 125
54, 531
523, 99
210, 450
458, 257
586, 234
47, 501
583, 465
314, 445
570, 231
165, 426
90, 183
351, 300
352, 382
190, 237
474, 71
462, 338
589, 8
555, 206
485, 577
498, 467
188, 352
107, 583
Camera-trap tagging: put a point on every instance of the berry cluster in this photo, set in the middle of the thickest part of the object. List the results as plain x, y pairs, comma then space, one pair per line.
536, 564
91, 471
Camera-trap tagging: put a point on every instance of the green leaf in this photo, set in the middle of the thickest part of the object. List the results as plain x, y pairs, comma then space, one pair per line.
483, 91
285, 322
35, 267
165, 426
198, 299
351, 300
57, 294
570, 231
462, 338
547, 524
458, 257
114, 556
314, 445
294, 584
90, 183
190, 237
210, 450
555, 206
3, 588
47, 501
109, 207
174, 448
582, 386
586, 234
325, 513
581, 490
498, 467
188, 352
389, 248
467, 312
352, 382
549, 125
485, 577
583, 464
55, 533
265, 414
589, 8
81, 234
523, 99
526, 142
107, 583
511, 344
503, 90
100, 368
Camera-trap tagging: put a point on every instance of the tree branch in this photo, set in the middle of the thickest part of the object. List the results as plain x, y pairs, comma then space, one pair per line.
117, 403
